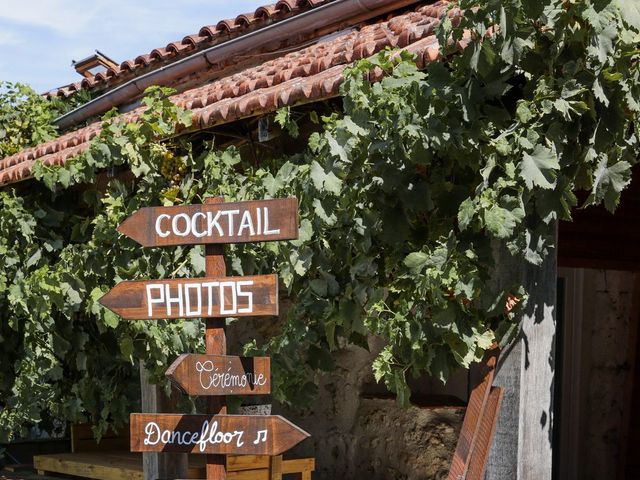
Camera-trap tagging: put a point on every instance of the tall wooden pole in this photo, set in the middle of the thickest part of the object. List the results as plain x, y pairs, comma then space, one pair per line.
522, 448
216, 344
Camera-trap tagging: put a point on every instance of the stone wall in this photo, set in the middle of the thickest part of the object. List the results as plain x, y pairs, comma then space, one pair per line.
356, 435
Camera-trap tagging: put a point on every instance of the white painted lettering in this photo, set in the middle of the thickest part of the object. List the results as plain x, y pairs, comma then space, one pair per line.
234, 300
230, 214
266, 224
247, 295
259, 220
152, 431
151, 299
197, 287
187, 225
211, 378
159, 231
211, 299
209, 434
246, 223
194, 223
177, 300
212, 222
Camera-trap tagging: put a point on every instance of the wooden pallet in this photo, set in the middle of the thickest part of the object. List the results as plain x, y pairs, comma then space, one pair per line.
119, 465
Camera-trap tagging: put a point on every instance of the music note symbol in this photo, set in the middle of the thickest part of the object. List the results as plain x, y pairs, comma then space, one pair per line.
262, 437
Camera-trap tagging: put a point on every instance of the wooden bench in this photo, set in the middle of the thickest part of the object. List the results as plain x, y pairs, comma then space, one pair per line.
119, 465
111, 460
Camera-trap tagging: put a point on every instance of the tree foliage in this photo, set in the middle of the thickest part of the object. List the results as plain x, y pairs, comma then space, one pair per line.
25, 118
403, 195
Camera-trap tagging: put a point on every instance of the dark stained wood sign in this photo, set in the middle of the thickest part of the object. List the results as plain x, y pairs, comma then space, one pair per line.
233, 222
221, 375
213, 434
197, 297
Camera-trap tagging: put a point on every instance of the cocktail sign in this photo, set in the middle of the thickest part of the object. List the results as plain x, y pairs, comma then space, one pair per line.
233, 222
221, 375
214, 434
196, 297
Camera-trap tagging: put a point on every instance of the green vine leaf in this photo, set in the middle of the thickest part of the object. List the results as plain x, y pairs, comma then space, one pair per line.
539, 168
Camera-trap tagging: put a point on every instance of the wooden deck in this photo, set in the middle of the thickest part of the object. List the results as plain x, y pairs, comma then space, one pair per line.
23, 472
120, 465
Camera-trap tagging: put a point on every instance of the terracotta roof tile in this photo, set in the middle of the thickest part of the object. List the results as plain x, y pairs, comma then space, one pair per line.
310, 74
159, 53
245, 20
266, 11
127, 65
287, 5
206, 37
226, 25
142, 60
208, 31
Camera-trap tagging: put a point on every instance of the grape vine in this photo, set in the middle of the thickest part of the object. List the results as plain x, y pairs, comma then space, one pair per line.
403, 194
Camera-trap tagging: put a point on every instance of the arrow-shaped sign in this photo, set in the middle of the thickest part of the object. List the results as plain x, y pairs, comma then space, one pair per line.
197, 297
221, 375
233, 222
213, 434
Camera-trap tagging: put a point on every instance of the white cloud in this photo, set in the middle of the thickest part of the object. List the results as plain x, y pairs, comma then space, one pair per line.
8, 38
65, 17
121, 29
69, 18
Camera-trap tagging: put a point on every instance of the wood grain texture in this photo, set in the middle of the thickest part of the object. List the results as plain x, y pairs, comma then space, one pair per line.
233, 222
120, 465
522, 446
155, 400
216, 344
275, 468
221, 375
486, 431
476, 410
194, 298
100, 466
214, 434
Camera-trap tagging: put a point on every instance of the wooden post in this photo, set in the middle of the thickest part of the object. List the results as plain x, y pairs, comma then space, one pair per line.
522, 447
159, 465
275, 467
216, 344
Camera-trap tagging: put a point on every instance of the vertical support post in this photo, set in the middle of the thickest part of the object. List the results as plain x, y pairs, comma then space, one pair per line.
216, 344
275, 467
159, 465
522, 445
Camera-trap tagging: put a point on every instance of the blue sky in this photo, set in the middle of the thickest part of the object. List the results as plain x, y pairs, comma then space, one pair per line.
39, 38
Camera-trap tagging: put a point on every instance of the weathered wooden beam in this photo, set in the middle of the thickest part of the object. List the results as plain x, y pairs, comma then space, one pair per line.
159, 466
522, 448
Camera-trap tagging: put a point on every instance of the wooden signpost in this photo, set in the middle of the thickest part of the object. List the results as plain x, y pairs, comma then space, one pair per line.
221, 375
195, 297
214, 297
218, 434
233, 222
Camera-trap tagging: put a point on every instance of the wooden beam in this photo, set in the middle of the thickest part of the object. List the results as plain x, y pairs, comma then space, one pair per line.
522, 444
216, 344
159, 465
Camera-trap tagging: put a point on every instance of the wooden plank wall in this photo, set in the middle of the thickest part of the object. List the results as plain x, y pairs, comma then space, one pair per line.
598, 239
